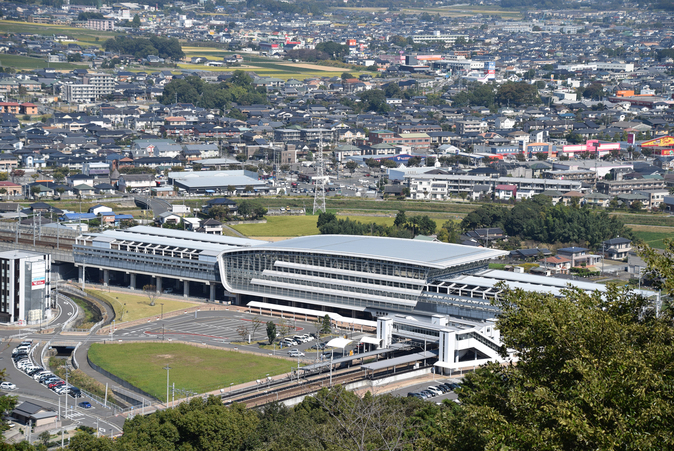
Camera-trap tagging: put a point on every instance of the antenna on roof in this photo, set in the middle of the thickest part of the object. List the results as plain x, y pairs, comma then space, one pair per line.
319, 190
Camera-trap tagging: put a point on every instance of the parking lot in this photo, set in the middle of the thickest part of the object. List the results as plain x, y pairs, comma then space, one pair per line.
28, 389
419, 387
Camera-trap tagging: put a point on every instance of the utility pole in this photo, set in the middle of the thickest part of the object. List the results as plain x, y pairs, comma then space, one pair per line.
319, 179
167, 368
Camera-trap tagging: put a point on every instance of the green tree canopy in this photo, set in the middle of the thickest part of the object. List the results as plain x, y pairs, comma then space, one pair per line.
594, 372
239, 88
142, 47
537, 219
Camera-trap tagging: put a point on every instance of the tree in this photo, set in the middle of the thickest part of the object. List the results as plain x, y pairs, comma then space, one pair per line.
346, 76
590, 375
400, 220
271, 331
283, 328
44, 437
135, 23
326, 325
374, 100
244, 208
255, 324
517, 94
414, 162
34, 191
151, 293
17, 173
351, 166
243, 332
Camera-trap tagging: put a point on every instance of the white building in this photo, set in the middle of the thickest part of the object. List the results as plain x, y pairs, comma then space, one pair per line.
441, 186
25, 287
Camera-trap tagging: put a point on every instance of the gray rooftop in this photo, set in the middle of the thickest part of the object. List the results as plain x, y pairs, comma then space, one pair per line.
207, 244
424, 253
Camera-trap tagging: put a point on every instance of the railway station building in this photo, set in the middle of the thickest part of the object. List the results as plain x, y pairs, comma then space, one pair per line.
433, 293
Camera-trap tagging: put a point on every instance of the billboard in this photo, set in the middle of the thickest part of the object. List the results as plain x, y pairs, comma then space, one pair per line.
38, 275
664, 141
631, 138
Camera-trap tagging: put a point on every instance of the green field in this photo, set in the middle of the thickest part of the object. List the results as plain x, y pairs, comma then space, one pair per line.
277, 226
654, 239
366, 205
137, 305
27, 62
83, 35
643, 219
192, 368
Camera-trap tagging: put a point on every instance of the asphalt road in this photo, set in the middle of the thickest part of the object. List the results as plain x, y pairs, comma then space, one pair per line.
217, 328
27, 389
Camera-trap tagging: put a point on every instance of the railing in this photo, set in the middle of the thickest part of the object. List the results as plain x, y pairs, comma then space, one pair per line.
57, 255
64, 298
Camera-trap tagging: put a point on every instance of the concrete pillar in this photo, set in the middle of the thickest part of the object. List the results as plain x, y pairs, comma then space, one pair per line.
106, 277
80, 276
158, 284
212, 294
132, 281
186, 288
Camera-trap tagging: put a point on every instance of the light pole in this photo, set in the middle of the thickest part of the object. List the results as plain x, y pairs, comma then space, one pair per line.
167, 368
162, 310
230, 389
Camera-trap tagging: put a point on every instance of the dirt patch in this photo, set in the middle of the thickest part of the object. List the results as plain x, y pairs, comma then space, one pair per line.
650, 228
164, 356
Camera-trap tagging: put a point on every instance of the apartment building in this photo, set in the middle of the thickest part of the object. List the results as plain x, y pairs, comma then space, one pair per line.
93, 86
615, 187
442, 186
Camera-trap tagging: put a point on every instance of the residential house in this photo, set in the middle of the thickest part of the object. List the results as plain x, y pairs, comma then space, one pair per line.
579, 255
556, 264
617, 248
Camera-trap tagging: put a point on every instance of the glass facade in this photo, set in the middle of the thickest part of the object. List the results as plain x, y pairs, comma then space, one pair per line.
161, 263
328, 279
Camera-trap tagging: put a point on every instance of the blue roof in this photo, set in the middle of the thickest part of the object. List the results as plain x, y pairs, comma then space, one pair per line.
122, 217
76, 216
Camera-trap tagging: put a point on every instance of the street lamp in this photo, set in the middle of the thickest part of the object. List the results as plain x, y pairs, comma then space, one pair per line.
162, 310
230, 388
167, 368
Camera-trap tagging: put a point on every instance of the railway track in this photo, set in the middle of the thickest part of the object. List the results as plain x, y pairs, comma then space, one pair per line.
63, 243
288, 389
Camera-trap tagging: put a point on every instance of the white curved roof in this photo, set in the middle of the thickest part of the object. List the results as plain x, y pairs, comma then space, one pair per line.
425, 253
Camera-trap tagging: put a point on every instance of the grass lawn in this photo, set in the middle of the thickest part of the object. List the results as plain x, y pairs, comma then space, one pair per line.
369, 205
28, 62
138, 305
82, 35
192, 368
298, 225
654, 239
91, 314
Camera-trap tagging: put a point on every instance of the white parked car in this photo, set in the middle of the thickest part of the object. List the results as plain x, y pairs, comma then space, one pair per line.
295, 353
434, 390
7, 386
